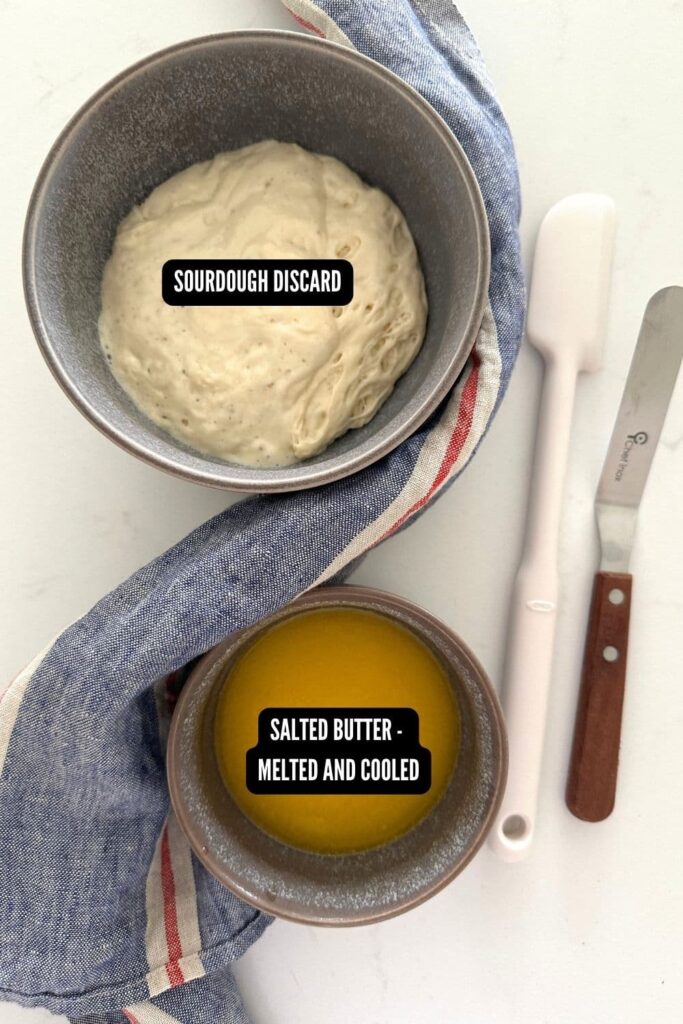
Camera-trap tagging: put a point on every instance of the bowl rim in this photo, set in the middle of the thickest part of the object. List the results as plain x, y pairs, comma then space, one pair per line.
306, 475
337, 596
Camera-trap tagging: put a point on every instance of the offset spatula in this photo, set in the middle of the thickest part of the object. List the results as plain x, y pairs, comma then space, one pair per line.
592, 782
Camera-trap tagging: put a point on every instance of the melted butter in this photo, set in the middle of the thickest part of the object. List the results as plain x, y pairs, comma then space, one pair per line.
336, 658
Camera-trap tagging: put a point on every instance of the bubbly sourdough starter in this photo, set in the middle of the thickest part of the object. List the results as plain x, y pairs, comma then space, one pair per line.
263, 385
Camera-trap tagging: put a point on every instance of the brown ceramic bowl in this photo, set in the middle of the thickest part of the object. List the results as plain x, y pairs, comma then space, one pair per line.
348, 889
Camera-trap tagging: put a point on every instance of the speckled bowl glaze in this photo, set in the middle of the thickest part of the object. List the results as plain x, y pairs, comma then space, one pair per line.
349, 889
197, 99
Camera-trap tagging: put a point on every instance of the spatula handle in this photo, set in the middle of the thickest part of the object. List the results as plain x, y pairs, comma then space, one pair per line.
592, 782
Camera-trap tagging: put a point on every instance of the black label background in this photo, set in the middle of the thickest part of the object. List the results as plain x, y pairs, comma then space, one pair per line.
406, 744
257, 298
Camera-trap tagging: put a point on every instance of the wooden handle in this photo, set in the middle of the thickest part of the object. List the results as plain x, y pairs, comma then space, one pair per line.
592, 782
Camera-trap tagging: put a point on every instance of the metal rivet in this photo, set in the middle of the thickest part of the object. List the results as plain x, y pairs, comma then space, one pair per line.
610, 653
617, 596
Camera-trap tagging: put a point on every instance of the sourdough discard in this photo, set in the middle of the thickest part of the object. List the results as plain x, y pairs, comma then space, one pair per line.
263, 385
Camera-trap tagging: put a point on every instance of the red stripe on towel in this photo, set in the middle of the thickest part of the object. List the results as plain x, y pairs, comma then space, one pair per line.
457, 440
306, 24
175, 950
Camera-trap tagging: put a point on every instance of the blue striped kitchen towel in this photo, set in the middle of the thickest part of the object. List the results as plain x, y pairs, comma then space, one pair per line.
105, 915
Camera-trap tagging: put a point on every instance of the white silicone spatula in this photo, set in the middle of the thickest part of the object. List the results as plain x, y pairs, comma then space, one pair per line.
565, 322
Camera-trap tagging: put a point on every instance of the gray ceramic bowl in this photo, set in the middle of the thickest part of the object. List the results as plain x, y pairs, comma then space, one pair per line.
192, 101
348, 889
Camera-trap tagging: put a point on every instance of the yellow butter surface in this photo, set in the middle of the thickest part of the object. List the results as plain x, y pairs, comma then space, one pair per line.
340, 657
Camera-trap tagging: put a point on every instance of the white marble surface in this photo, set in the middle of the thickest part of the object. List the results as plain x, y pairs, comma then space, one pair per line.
590, 928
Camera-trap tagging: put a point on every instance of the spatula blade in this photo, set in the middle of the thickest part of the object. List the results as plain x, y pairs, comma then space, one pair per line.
645, 401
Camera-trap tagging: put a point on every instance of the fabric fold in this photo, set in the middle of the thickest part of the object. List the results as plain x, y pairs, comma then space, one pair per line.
105, 914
